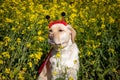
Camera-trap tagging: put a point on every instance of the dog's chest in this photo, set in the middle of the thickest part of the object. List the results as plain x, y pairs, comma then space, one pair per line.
64, 60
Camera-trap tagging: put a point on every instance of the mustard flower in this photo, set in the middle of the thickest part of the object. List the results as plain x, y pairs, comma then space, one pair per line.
30, 64
111, 20
24, 69
13, 28
6, 54
7, 39
81, 30
54, 73
89, 53
21, 75
23, 31
114, 70
3, 78
12, 48
98, 34
39, 49
1, 43
58, 55
38, 55
9, 20
75, 61
33, 17
39, 38
103, 19
81, 15
31, 55
12, 75
103, 26
18, 40
81, 55
28, 45
92, 62
39, 32
111, 50
40, 21
92, 20
7, 70
71, 78
1, 61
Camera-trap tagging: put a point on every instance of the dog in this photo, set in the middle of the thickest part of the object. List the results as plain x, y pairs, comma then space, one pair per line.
64, 60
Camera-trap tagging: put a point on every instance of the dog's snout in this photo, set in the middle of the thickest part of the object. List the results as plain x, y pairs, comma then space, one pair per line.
51, 36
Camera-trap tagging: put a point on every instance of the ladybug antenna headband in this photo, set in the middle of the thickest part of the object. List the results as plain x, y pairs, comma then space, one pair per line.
63, 14
57, 21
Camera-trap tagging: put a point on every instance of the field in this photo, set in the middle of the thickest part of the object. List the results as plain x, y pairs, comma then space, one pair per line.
24, 34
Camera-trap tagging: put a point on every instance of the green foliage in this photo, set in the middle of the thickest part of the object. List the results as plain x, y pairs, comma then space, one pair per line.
24, 31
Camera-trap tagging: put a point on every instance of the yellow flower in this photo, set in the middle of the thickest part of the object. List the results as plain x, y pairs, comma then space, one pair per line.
75, 61
1, 43
92, 20
39, 38
81, 55
1, 61
9, 20
38, 55
33, 17
114, 70
30, 64
73, 15
89, 53
71, 78
111, 20
82, 30
7, 70
39, 49
3, 78
39, 32
13, 28
18, 40
28, 45
58, 55
103, 26
54, 73
98, 34
12, 48
24, 69
92, 62
31, 55
12, 75
21, 75
103, 19
7, 39
6, 54
23, 31
111, 50
81, 15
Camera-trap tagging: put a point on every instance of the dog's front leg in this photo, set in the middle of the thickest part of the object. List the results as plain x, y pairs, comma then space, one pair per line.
43, 74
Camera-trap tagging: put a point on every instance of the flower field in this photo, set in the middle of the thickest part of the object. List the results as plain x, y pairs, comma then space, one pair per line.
24, 33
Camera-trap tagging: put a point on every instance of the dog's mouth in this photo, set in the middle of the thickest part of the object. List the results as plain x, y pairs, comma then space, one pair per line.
52, 42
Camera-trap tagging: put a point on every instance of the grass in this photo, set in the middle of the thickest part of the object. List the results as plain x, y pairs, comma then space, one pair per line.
24, 33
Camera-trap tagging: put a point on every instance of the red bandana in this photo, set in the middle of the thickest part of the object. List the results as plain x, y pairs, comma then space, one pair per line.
57, 22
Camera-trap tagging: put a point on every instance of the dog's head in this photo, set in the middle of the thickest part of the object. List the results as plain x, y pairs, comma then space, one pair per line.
61, 34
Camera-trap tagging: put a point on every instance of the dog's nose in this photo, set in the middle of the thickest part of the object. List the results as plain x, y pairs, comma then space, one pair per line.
51, 36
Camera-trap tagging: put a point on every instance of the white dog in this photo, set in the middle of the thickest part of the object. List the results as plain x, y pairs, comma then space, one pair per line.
64, 60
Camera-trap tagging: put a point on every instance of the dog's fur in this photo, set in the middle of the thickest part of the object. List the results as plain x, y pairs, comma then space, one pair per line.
68, 63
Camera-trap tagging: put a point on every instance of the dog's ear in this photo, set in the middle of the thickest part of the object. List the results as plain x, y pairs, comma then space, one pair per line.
73, 33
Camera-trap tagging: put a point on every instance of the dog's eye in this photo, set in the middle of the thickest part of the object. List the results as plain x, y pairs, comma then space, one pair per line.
50, 30
60, 30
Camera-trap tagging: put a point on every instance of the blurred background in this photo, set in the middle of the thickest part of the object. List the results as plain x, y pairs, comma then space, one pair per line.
24, 34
